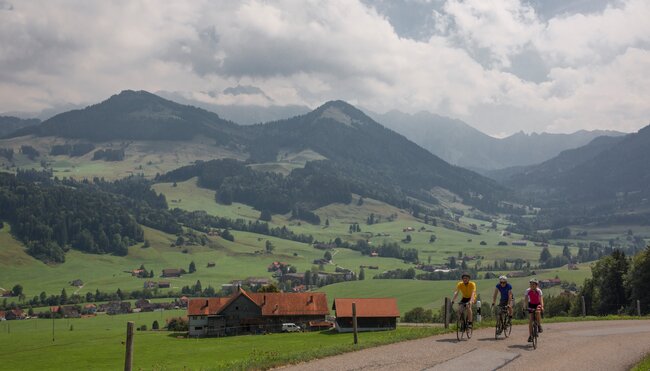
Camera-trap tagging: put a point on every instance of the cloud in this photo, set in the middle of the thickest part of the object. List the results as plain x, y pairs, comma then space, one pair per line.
503, 66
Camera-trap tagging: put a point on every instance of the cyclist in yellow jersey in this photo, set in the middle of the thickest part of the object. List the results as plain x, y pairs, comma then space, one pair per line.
468, 290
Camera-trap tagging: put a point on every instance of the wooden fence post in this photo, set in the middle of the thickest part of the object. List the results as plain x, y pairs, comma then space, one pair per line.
128, 358
638, 308
584, 307
354, 322
446, 313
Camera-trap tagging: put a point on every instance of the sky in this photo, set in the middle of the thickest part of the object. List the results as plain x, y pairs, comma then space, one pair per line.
501, 66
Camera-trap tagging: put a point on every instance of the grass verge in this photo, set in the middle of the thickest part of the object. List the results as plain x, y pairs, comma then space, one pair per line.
644, 365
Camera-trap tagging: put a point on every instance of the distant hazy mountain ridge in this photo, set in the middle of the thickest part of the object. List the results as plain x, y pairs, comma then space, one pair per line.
462, 145
10, 124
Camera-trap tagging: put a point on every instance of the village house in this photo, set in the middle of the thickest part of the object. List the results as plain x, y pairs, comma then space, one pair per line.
77, 283
252, 282
549, 283
373, 314
171, 272
115, 307
246, 312
164, 284
150, 285
277, 266
13, 314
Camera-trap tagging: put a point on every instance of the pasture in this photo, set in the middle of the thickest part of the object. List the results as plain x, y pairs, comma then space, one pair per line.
96, 344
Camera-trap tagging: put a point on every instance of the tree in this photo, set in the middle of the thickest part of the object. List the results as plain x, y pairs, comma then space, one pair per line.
452, 263
64, 296
545, 255
155, 325
408, 238
269, 246
566, 252
328, 256
307, 278
226, 235
151, 274
360, 202
637, 278
362, 274
269, 288
608, 278
17, 290
265, 215
327, 222
418, 315
197, 287
433, 238
192, 267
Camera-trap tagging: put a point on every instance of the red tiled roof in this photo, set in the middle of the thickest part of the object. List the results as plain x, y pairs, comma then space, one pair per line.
205, 306
285, 303
272, 303
367, 307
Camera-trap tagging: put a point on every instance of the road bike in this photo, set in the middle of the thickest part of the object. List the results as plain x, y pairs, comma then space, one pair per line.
462, 327
504, 323
535, 333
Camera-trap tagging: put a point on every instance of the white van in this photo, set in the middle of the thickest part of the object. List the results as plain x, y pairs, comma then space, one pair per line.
290, 327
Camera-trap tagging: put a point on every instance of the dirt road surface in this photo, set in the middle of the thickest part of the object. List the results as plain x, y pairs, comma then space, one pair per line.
597, 345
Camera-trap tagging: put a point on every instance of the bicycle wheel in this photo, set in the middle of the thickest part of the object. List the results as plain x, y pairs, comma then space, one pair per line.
499, 325
507, 327
535, 335
468, 331
459, 328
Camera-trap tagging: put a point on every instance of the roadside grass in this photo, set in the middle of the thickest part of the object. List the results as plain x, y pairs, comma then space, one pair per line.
97, 343
643, 365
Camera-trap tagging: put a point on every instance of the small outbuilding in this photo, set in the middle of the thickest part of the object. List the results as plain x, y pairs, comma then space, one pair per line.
373, 314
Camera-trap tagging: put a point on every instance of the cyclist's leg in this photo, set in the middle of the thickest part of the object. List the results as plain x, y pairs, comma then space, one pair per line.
469, 312
538, 313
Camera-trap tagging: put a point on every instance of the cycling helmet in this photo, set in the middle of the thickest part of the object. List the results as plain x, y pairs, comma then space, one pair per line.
533, 280
503, 278
465, 274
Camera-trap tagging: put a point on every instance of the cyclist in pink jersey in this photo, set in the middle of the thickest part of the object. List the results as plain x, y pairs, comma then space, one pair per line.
534, 302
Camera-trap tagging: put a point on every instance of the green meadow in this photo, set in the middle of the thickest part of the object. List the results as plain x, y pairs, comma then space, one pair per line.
97, 344
246, 257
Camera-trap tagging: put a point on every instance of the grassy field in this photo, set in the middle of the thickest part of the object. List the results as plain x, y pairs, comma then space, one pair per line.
431, 294
96, 344
242, 259
141, 157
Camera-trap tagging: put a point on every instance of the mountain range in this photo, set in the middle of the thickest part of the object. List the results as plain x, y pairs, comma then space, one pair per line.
369, 158
10, 124
460, 144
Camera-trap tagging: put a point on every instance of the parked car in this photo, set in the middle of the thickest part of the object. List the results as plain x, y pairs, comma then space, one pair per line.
290, 327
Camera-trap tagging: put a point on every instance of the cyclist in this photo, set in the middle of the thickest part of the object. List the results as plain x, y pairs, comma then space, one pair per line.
534, 302
468, 289
507, 298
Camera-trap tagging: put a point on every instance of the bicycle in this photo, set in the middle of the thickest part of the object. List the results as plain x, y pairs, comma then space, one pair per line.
535, 333
504, 324
462, 327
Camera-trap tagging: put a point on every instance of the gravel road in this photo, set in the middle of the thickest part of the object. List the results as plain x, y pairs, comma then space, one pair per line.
597, 345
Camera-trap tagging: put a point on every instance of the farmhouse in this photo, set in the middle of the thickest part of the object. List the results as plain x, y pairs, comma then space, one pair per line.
373, 314
12, 314
164, 284
246, 312
549, 283
171, 272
